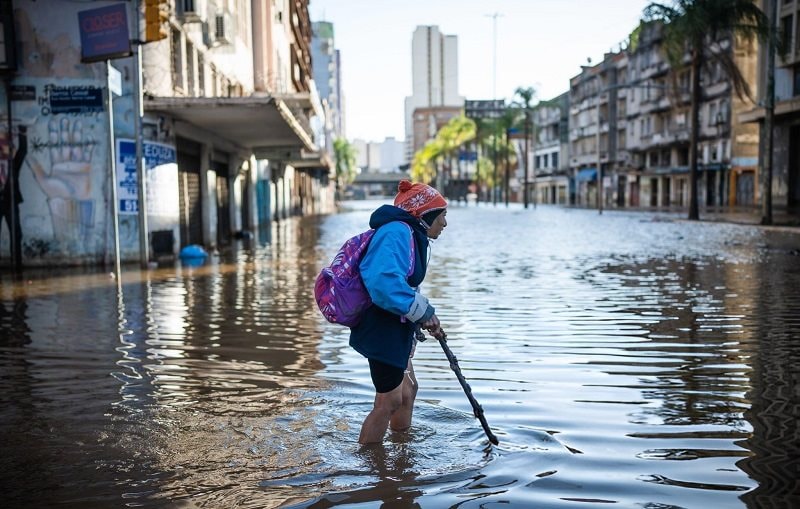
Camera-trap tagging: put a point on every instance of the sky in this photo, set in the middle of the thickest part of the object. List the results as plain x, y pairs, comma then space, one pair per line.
539, 43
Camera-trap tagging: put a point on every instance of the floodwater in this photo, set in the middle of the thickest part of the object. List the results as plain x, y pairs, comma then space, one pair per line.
623, 360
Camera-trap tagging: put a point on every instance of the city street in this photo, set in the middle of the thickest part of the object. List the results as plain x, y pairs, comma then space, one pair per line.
629, 358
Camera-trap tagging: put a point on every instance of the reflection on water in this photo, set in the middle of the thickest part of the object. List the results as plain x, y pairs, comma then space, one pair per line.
631, 359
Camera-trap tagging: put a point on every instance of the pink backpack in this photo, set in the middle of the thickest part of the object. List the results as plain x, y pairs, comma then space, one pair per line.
339, 290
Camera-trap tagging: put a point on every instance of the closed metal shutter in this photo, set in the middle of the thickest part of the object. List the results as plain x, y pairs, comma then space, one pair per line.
223, 211
190, 202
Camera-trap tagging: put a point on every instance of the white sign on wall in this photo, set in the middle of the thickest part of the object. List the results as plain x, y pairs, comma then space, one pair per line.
162, 176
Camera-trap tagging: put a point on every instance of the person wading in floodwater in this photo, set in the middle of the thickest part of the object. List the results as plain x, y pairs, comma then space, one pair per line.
392, 269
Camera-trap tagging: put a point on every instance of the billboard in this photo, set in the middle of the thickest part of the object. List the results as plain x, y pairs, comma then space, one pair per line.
104, 33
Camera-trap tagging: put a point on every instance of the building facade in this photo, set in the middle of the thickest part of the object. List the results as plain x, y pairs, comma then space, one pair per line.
550, 151
785, 183
326, 61
629, 130
228, 143
434, 76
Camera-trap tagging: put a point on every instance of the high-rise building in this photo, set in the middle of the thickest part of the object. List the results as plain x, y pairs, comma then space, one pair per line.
325, 58
434, 79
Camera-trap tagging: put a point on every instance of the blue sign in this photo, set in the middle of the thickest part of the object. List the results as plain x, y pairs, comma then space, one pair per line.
155, 154
104, 33
467, 155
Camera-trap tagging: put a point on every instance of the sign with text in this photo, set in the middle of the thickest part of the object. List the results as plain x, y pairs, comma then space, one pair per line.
104, 33
156, 155
81, 99
114, 80
485, 109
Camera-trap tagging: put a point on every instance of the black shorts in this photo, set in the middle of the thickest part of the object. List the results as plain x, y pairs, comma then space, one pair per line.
385, 377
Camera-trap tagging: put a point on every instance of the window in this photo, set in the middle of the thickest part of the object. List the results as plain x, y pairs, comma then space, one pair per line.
555, 160
214, 81
796, 30
190, 72
796, 81
201, 75
537, 163
786, 31
712, 114
177, 60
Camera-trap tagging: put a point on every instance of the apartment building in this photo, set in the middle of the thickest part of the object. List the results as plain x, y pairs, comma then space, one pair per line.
226, 127
434, 95
786, 133
549, 157
597, 124
629, 130
326, 65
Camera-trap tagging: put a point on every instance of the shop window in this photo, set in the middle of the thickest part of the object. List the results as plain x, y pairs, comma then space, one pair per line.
786, 31
796, 81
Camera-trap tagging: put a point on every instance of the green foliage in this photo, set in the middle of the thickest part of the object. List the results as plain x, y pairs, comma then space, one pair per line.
345, 154
458, 131
698, 26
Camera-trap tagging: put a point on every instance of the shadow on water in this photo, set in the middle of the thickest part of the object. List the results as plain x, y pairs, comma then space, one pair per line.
625, 359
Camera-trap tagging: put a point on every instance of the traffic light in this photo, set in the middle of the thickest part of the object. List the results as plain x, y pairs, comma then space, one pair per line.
156, 18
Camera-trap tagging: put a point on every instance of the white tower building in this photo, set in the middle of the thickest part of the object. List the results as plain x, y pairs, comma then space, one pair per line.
434, 75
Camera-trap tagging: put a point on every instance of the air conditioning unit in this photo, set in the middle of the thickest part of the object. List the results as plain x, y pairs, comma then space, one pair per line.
223, 29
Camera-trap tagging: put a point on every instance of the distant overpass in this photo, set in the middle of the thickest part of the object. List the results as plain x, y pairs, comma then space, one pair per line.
378, 184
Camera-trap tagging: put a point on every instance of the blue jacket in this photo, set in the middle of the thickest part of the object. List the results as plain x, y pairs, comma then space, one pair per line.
386, 330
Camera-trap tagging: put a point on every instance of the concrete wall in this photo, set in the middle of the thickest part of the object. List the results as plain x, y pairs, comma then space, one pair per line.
65, 179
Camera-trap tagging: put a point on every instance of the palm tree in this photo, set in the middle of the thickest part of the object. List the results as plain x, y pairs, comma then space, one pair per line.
449, 139
524, 98
699, 27
345, 154
424, 165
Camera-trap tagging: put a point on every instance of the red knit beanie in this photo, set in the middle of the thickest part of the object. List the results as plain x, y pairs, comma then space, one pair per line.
418, 198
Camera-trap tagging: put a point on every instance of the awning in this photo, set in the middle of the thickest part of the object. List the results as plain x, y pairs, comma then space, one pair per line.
587, 174
262, 124
319, 159
757, 114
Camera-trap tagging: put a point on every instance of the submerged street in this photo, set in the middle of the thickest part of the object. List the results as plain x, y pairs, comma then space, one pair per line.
634, 359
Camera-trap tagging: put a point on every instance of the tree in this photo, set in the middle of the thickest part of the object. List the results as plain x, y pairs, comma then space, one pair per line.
458, 131
524, 97
423, 166
345, 154
705, 29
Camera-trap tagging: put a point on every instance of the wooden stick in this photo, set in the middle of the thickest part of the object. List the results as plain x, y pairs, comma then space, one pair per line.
476, 408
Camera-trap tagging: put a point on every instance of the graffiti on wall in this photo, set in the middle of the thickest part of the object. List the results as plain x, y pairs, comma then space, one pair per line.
58, 139
60, 179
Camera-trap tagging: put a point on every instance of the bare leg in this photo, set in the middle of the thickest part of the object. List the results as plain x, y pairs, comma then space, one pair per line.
376, 423
401, 419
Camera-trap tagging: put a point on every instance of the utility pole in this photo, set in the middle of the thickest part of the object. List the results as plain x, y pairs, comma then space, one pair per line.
527, 147
533, 154
113, 164
494, 157
508, 155
141, 166
769, 120
599, 164
494, 17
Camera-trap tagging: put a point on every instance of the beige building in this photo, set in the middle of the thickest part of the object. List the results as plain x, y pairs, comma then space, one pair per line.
227, 120
786, 151
643, 131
